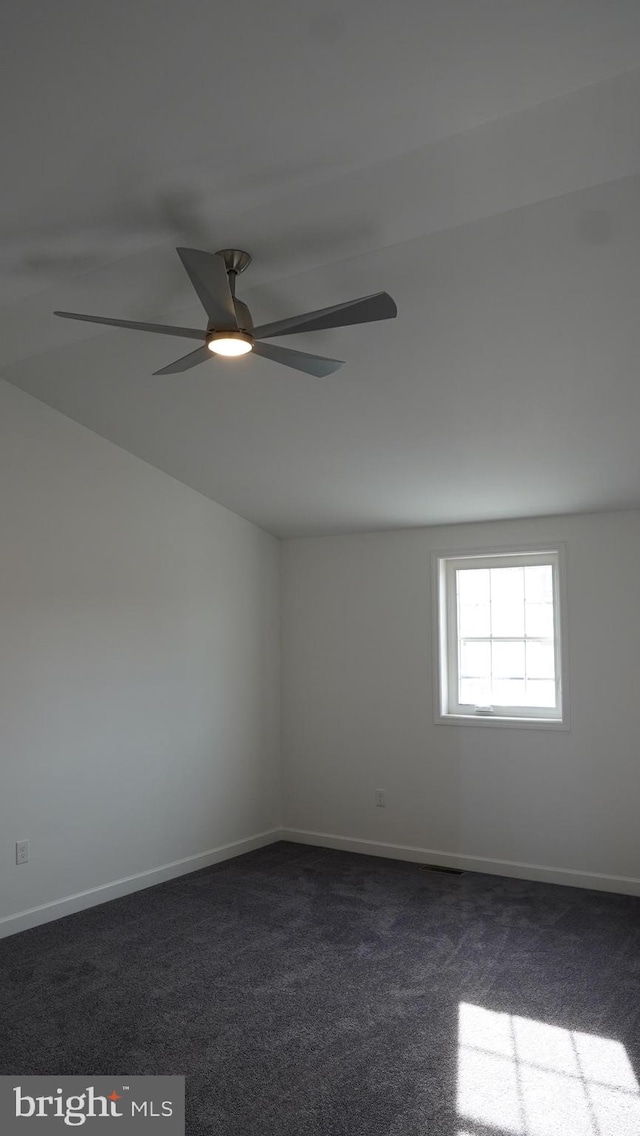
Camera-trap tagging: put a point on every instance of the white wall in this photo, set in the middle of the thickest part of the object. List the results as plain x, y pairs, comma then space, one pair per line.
358, 710
139, 669
140, 703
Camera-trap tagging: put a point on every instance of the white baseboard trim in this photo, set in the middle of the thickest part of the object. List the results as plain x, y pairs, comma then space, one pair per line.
34, 916
571, 877
46, 912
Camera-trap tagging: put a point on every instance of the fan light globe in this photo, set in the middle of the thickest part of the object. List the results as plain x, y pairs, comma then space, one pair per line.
230, 343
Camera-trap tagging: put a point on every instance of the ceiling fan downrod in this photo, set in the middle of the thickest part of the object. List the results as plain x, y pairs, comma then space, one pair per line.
235, 262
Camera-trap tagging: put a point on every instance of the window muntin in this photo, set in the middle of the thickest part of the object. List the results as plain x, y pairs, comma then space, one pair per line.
500, 636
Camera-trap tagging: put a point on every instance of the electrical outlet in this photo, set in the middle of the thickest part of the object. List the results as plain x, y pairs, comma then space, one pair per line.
381, 798
22, 852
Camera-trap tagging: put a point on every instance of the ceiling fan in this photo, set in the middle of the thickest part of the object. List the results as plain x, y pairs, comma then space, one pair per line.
230, 329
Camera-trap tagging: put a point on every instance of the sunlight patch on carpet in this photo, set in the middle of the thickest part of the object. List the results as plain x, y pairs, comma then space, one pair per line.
527, 1078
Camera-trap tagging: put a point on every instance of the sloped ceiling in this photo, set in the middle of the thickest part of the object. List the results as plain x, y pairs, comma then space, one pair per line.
479, 159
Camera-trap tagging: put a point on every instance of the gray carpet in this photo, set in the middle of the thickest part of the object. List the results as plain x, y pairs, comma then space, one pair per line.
310, 991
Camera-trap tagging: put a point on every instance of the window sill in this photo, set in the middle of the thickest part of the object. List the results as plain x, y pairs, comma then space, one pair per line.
495, 720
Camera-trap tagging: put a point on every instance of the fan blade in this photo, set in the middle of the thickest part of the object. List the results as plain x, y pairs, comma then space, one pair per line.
379, 306
316, 365
208, 275
161, 328
201, 355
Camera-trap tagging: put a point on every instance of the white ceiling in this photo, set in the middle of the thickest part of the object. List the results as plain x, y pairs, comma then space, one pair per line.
479, 159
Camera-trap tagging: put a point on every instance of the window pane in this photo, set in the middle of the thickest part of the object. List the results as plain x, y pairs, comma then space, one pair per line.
474, 620
539, 620
507, 619
474, 692
540, 692
507, 585
538, 583
475, 659
508, 660
508, 692
540, 661
507, 601
473, 585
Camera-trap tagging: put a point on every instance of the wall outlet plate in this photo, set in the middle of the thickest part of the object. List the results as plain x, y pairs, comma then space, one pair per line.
381, 798
22, 851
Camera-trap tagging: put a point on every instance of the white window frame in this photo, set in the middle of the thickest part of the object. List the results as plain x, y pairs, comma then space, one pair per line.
447, 709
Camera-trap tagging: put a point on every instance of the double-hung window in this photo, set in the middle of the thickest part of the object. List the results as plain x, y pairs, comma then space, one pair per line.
501, 637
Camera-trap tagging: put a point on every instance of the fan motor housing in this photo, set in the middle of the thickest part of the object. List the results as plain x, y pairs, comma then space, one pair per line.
228, 337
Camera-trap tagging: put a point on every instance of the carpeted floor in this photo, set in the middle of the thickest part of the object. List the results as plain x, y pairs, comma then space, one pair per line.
308, 991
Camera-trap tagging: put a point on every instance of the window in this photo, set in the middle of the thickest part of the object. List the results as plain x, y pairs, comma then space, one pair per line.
500, 643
